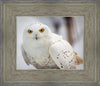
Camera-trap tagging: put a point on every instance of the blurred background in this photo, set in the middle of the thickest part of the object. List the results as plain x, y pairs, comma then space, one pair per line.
70, 28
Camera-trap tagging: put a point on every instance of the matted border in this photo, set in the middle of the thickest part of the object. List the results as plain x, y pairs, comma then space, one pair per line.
12, 9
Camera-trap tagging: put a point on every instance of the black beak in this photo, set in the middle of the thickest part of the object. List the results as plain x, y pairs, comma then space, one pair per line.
36, 37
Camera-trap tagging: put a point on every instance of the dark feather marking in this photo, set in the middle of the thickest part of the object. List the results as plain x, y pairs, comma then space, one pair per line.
57, 57
61, 63
61, 66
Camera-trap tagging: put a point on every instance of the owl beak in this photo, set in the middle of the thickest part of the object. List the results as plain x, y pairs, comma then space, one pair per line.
36, 37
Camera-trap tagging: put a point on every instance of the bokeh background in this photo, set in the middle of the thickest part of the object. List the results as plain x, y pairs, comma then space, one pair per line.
71, 29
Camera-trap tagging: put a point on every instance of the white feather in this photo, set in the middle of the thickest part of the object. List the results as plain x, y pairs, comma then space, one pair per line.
62, 54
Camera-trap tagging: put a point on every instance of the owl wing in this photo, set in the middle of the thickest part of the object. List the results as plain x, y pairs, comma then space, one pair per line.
28, 59
25, 56
62, 54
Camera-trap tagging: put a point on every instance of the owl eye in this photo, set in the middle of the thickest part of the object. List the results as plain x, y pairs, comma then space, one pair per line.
41, 30
30, 31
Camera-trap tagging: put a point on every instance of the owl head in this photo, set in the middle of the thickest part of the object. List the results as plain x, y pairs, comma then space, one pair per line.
36, 31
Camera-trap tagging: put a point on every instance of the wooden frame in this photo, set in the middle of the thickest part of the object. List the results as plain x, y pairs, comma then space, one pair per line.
90, 74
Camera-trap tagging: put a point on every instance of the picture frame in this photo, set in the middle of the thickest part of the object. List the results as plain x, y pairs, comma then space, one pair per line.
11, 9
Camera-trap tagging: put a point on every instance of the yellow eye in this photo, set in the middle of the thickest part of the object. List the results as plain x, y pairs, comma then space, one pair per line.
41, 30
30, 31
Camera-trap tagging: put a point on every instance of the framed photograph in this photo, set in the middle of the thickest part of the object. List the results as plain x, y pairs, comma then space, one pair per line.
50, 43
36, 30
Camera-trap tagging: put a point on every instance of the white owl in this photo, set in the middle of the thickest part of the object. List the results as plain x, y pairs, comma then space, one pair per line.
44, 49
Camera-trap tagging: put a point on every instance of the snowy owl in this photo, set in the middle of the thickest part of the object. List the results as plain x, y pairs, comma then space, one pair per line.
44, 49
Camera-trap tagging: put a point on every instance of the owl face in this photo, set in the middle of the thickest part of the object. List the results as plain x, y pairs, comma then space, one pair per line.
36, 31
